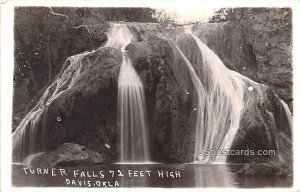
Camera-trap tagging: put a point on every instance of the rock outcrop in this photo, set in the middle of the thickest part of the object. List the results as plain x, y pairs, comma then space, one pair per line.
79, 106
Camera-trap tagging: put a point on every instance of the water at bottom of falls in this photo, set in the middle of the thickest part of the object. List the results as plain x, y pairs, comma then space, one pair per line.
191, 175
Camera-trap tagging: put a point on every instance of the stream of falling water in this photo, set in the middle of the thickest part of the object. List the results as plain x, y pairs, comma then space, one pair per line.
288, 113
131, 103
222, 97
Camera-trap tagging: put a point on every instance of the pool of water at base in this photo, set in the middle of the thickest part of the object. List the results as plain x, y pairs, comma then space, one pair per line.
141, 175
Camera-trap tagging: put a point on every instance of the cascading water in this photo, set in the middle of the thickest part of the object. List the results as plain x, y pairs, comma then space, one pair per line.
28, 138
222, 96
288, 113
131, 111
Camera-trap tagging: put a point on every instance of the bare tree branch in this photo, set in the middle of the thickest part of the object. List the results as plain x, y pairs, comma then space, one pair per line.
86, 26
57, 14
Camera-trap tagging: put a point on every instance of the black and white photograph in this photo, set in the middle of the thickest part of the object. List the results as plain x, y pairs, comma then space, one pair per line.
152, 97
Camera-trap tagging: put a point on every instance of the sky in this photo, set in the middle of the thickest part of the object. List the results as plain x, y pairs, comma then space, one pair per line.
189, 15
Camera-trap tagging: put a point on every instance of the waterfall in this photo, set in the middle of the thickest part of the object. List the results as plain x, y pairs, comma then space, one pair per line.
29, 137
131, 102
287, 113
222, 97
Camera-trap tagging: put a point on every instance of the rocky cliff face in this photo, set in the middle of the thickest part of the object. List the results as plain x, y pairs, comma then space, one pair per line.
265, 37
270, 34
86, 113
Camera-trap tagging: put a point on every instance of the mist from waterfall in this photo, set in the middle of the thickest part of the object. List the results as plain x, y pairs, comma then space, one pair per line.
223, 95
131, 103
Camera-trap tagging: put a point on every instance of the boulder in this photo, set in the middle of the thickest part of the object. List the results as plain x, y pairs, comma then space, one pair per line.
67, 154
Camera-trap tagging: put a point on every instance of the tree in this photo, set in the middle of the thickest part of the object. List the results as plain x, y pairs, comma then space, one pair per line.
165, 18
